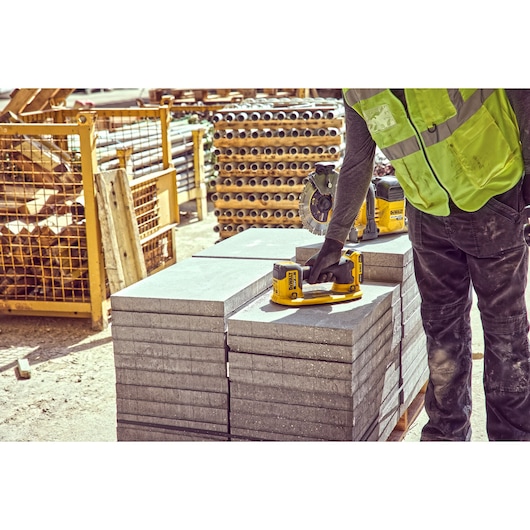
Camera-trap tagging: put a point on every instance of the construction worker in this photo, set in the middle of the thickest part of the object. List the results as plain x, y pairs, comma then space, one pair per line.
460, 156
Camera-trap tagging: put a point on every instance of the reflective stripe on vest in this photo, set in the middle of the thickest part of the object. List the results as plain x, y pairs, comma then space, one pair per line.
423, 142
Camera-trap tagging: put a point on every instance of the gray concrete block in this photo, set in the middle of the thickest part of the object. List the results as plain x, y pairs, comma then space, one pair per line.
411, 307
374, 411
412, 387
416, 348
290, 348
196, 398
383, 427
413, 379
373, 370
286, 365
168, 321
127, 376
172, 423
249, 391
412, 335
169, 336
170, 366
249, 435
342, 323
169, 351
412, 323
385, 325
138, 433
291, 411
262, 243
196, 286
409, 290
288, 381
161, 411
290, 427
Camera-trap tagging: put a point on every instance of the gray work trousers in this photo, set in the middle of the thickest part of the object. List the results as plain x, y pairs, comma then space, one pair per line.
484, 251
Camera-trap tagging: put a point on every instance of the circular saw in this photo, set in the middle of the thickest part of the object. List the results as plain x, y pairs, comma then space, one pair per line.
316, 199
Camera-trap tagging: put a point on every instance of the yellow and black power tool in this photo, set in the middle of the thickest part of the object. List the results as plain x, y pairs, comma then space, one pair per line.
382, 212
288, 278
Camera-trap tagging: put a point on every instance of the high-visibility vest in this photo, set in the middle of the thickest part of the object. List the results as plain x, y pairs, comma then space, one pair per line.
457, 143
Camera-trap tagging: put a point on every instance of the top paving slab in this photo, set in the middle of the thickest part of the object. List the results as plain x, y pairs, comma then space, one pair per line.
262, 243
385, 251
341, 324
196, 286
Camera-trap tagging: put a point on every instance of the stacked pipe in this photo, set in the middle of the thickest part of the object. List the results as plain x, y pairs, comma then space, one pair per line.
145, 140
264, 151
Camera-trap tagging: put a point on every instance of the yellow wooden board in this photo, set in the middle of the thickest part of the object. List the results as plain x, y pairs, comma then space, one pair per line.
124, 261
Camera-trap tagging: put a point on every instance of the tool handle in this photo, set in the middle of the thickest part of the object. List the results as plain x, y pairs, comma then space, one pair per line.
343, 271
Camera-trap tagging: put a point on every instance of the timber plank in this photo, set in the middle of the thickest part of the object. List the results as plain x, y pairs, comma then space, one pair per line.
119, 230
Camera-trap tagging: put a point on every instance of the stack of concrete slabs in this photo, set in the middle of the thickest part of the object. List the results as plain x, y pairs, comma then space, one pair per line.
324, 372
389, 258
169, 336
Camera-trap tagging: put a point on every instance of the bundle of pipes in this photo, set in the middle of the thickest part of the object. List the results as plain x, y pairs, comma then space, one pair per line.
264, 150
145, 140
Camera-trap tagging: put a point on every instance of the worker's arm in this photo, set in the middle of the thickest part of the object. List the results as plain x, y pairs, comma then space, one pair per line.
354, 178
520, 101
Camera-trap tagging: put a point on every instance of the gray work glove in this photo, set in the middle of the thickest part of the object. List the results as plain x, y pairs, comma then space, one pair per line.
329, 255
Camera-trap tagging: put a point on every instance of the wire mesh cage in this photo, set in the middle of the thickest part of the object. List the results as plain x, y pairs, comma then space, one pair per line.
42, 224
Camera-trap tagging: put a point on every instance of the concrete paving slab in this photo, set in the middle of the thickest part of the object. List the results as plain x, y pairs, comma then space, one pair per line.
170, 366
127, 376
159, 411
389, 251
415, 349
380, 351
384, 329
172, 395
262, 243
291, 411
269, 394
139, 433
196, 286
169, 351
167, 321
184, 425
298, 382
286, 365
168, 336
249, 435
375, 409
342, 323
290, 427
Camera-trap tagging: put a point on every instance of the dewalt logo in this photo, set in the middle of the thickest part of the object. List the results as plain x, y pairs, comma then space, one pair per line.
291, 279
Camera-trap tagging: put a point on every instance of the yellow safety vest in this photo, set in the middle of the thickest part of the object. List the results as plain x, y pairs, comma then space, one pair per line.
458, 143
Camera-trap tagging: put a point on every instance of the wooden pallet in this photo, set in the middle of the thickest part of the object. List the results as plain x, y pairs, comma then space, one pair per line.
222, 95
35, 99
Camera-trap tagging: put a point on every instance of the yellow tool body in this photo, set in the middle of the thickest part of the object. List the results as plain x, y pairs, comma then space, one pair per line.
288, 278
382, 212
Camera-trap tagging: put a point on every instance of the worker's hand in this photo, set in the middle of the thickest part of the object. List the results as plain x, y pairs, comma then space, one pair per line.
329, 255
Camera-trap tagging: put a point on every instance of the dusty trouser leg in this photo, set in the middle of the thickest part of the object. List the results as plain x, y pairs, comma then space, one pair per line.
506, 351
443, 281
500, 286
492, 239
